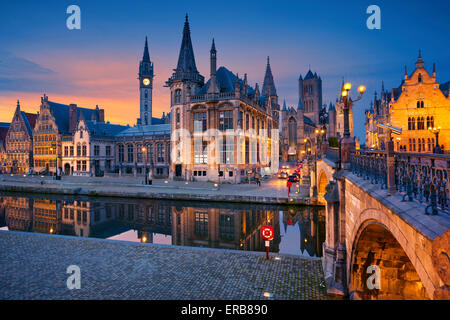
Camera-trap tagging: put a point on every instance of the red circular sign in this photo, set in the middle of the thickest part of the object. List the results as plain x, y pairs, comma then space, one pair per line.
267, 232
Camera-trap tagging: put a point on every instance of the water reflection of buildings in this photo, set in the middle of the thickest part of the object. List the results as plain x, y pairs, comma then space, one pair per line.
226, 226
311, 223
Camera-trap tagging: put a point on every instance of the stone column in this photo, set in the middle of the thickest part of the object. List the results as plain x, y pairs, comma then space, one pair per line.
347, 146
390, 165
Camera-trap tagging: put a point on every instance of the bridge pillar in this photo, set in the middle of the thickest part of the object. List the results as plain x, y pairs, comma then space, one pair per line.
334, 250
390, 165
347, 146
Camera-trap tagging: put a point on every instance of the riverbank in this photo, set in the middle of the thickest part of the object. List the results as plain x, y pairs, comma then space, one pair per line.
272, 191
34, 266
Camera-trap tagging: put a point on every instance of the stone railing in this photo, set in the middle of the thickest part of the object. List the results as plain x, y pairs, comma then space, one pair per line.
370, 165
212, 96
418, 176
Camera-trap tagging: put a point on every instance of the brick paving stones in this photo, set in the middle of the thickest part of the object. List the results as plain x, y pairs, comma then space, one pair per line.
33, 266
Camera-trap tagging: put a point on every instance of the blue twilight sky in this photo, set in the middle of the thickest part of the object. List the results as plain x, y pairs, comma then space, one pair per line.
99, 63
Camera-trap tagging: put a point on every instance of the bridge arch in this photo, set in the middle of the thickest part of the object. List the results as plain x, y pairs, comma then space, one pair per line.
374, 242
324, 176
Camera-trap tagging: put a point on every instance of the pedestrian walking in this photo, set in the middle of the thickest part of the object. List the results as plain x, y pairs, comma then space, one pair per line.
289, 185
258, 179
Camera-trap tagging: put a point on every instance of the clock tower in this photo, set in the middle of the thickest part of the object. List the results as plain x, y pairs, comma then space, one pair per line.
145, 87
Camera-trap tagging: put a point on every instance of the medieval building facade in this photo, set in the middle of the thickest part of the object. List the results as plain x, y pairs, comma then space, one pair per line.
4, 127
144, 147
55, 122
222, 129
90, 150
19, 142
419, 103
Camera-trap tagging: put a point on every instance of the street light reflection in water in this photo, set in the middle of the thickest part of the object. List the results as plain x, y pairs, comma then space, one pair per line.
298, 230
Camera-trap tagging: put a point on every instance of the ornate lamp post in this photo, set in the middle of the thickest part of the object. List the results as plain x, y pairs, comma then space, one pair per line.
435, 131
348, 143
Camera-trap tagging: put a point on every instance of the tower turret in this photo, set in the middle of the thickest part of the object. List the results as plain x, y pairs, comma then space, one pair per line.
145, 87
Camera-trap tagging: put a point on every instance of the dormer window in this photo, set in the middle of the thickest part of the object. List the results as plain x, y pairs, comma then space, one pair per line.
177, 96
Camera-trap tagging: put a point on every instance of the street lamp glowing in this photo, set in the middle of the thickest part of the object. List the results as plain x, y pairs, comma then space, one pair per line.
316, 131
344, 93
322, 131
143, 149
361, 89
304, 140
347, 86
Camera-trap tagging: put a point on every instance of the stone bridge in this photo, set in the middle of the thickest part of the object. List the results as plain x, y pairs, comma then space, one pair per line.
370, 222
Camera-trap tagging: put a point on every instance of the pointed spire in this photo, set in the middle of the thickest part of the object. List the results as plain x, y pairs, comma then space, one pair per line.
186, 60
420, 63
18, 104
434, 69
406, 73
213, 59
268, 85
284, 105
146, 56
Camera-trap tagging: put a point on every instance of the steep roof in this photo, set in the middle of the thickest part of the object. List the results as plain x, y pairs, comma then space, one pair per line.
104, 129
146, 56
147, 130
309, 75
308, 121
269, 84
61, 114
186, 60
30, 121
445, 88
4, 126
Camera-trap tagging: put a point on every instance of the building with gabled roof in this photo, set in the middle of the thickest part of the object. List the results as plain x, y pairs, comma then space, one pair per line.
55, 122
19, 142
4, 126
418, 103
90, 150
222, 129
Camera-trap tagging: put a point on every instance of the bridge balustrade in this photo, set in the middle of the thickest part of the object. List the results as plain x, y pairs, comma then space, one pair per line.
418, 176
370, 165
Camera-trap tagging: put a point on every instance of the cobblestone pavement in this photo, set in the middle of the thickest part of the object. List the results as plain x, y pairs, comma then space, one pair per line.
33, 266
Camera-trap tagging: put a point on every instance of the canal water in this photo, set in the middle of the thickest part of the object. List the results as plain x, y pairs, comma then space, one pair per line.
299, 230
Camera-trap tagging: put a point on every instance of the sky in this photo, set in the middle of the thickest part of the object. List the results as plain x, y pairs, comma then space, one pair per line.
98, 64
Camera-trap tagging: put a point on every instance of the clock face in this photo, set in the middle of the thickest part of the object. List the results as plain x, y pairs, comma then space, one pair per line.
146, 81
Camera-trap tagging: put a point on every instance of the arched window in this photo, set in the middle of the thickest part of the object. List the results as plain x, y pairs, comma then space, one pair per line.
413, 123
429, 144
84, 150
423, 144
420, 77
414, 144
130, 153
78, 150
418, 104
420, 123
177, 97
421, 104
178, 116
431, 121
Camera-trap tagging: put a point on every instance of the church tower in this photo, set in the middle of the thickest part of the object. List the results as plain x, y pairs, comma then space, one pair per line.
145, 87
